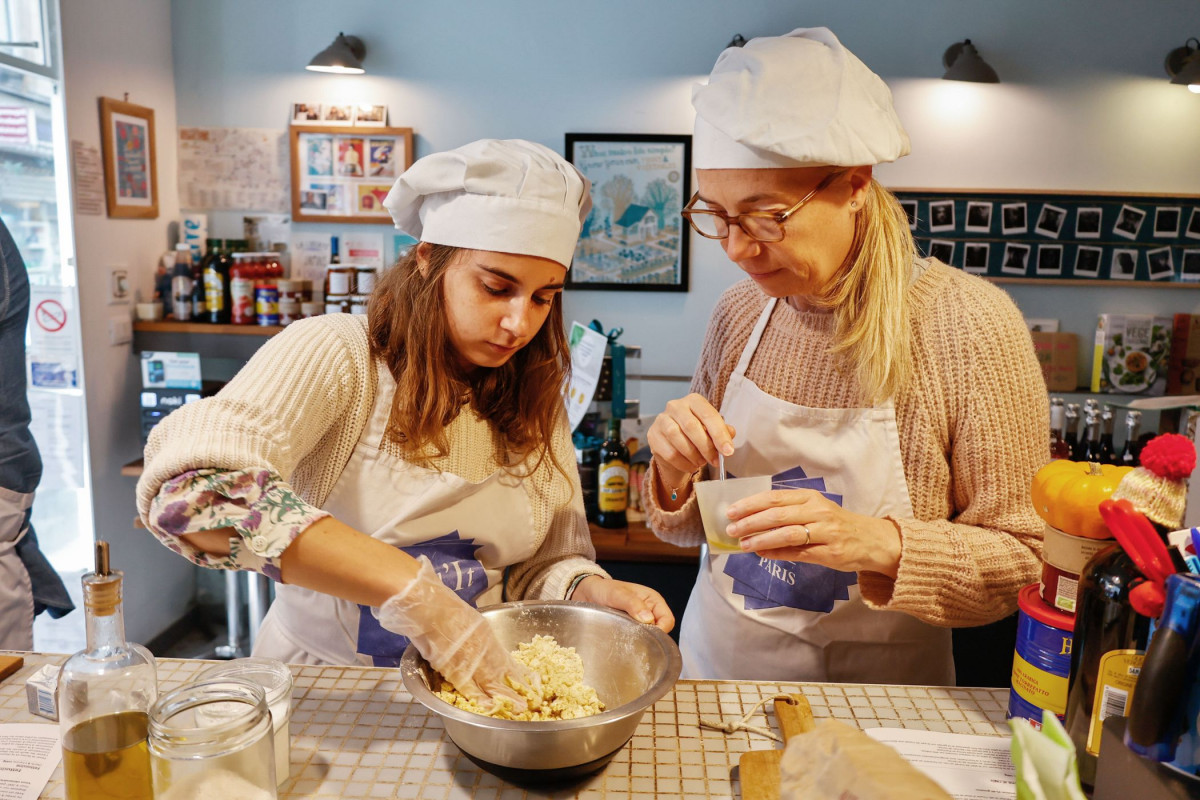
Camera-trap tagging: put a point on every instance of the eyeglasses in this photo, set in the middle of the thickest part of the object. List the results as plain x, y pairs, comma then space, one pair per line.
762, 226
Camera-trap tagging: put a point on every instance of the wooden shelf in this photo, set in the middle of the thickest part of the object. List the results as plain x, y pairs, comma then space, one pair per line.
638, 543
171, 326
133, 469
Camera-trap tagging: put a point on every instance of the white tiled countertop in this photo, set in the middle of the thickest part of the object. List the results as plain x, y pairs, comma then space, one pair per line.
356, 733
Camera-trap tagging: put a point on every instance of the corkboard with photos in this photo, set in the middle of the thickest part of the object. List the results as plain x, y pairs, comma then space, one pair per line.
342, 173
1074, 237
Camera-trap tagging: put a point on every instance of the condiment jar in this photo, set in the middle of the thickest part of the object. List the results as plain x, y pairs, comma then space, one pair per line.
364, 280
337, 304
276, 681
358, 303
311, 309
212, 739
339, 280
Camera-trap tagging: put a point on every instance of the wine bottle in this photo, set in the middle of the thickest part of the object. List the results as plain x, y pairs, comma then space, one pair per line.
1108, 452
1058, 417
1091, 450
1129, 452
613, 478
1071, 433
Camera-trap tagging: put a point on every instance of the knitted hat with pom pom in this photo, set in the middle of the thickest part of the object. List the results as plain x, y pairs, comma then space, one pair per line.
1158, 488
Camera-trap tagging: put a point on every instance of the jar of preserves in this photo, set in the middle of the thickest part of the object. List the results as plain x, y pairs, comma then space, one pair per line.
310, 309
337, 304
358, 303
364, 280
339, 280
290, 297
212, 739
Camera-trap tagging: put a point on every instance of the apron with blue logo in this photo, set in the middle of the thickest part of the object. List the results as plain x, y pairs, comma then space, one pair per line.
752, 618
469, 531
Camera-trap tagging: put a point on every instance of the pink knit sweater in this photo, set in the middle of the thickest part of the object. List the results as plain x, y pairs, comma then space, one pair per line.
973, 429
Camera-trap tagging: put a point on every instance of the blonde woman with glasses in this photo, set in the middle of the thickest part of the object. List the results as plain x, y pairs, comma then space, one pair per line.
896, 402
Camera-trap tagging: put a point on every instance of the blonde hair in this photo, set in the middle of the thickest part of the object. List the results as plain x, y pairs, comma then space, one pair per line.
870, 300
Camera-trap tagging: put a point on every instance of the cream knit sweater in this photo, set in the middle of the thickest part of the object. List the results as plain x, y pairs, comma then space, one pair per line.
298, 408
973, 424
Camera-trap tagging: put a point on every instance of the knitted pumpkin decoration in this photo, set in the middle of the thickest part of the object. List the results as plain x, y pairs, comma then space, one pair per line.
1158, 488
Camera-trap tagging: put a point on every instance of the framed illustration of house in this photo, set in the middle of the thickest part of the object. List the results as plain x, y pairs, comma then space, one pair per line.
634, 238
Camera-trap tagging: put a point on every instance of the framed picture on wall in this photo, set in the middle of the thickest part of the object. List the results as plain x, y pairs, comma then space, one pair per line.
129, 153
342, 173
634, 238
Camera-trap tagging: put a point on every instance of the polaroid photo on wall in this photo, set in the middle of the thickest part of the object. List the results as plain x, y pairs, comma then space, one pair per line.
337, 115
1013, 218
1050, 221
1124, 264
1016, 258
979, 217
1129, 222
1193, 228
942, 250
1087, 261
306, 113
1162, 264
910, 211
941, 215
1050, 259
1166, 222
975, 257
1191, 266
1087, 222
370, 115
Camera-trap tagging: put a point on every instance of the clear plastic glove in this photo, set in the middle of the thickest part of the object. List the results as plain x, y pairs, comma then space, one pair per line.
456, 640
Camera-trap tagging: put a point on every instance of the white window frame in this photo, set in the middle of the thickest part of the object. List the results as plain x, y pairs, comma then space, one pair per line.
50, 40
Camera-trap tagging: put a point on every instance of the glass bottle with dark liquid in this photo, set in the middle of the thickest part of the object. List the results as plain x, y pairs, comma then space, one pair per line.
1129, 452
1058, 419
1071, 432
613, 496
104, 696
1108, 452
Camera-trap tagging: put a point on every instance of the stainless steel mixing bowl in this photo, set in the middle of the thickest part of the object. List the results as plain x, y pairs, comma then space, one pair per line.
631, 665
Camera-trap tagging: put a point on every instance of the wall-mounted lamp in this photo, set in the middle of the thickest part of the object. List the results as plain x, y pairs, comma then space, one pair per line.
963, 63
1183, 65
737, 41
344, 56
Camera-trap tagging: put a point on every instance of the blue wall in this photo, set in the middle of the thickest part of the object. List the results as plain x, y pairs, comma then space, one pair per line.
1085, 104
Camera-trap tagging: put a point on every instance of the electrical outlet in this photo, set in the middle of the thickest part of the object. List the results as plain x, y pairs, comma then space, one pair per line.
120, 330
118, 285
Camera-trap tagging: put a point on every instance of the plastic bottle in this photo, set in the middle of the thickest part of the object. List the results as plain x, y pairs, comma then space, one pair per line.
105, 692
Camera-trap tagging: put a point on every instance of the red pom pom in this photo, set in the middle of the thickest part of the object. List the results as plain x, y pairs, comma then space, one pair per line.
1169, 456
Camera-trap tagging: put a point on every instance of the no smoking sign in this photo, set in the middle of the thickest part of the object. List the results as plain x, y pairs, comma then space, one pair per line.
50, 316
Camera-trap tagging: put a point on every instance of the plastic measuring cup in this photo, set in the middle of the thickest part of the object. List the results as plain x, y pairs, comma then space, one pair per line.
715, 497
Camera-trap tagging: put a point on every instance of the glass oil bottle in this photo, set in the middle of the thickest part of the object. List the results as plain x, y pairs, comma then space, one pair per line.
104, 696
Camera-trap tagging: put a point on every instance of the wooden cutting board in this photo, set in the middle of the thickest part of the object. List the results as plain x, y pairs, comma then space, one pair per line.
9, 665
758, 770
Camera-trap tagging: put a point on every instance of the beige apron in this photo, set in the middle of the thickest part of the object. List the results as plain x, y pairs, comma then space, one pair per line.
469, 531
751, 618
16, 590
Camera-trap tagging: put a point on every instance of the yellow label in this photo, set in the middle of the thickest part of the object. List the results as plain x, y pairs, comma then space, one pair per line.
614, 486
1097, 358
1115, 681
1039, 687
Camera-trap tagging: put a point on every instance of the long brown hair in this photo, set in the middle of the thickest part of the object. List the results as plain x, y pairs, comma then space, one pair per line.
408, 329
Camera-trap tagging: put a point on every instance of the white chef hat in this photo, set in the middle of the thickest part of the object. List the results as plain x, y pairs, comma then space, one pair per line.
506, 195
796, 100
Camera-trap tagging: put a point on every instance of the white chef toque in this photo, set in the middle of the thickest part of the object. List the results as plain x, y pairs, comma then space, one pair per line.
794, 101
504, 195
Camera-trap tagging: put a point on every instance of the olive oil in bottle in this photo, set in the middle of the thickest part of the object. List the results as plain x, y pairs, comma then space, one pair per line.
613, 497
107, 756
105, 692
